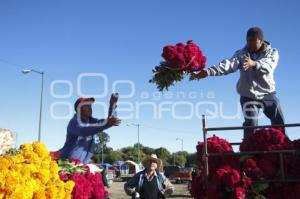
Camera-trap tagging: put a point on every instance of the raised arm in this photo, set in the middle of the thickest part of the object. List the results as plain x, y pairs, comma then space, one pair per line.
81, 129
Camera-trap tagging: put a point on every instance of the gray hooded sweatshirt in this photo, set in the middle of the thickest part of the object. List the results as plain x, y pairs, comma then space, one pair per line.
255, 82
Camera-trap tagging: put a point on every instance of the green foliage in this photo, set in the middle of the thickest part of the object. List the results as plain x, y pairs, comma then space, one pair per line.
164, 77
181, 158
68, 167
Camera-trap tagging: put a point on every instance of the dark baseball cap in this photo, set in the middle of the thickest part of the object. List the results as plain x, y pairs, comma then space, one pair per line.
83, 99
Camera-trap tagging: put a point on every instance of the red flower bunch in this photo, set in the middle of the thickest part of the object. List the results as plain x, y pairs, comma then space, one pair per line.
231, 182
216, 145
250, 168
268, 139
187, 57
55, 155
226, 176
180, 59
87, 184
226, 182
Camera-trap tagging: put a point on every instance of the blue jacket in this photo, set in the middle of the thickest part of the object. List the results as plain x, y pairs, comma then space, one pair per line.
80, 138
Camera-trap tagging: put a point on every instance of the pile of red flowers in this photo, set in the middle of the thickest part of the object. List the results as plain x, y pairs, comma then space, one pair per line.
266, 140
237, 177
180, 59
225, 181
270, 139
87, 184
216, 145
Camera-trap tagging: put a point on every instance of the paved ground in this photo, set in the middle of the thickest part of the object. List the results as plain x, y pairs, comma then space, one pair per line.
116, 191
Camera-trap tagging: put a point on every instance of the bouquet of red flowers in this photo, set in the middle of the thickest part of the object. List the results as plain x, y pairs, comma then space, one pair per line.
180, 59
87, 185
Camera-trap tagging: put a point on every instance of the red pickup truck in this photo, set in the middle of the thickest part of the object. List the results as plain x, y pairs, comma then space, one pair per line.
183, 175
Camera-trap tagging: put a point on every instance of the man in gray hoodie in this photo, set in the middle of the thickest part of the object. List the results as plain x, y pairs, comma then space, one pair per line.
256, 62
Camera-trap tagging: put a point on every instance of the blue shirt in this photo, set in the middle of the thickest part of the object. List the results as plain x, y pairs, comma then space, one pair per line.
80, 138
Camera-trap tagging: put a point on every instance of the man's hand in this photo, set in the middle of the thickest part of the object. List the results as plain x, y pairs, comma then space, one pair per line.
113, 99
249, 63
201, 75
113, 121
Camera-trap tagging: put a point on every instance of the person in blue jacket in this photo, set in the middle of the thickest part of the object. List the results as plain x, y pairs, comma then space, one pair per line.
82, 129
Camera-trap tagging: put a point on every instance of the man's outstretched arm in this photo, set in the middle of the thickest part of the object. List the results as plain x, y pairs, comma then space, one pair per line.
225, 67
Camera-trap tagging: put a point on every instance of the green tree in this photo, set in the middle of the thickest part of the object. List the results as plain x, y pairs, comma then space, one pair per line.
163, 154
191, 160
179, 159
101, 141
148, 150
113, 156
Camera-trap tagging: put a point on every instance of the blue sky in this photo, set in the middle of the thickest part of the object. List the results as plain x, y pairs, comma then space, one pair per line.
123, 40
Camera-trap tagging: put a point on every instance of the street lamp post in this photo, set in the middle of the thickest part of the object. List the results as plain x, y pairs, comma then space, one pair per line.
138, 128
180, 139
26, 71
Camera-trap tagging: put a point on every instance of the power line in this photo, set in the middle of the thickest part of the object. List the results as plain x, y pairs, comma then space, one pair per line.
21, 67
12, 64
168, 130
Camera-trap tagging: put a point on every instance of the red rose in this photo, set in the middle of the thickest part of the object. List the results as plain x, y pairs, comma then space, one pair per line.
239, 193
180, 47
169, 53
226, 176
246, 182
75, 161
55, 155
232, 178
63, 176
179, 61
251, 169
